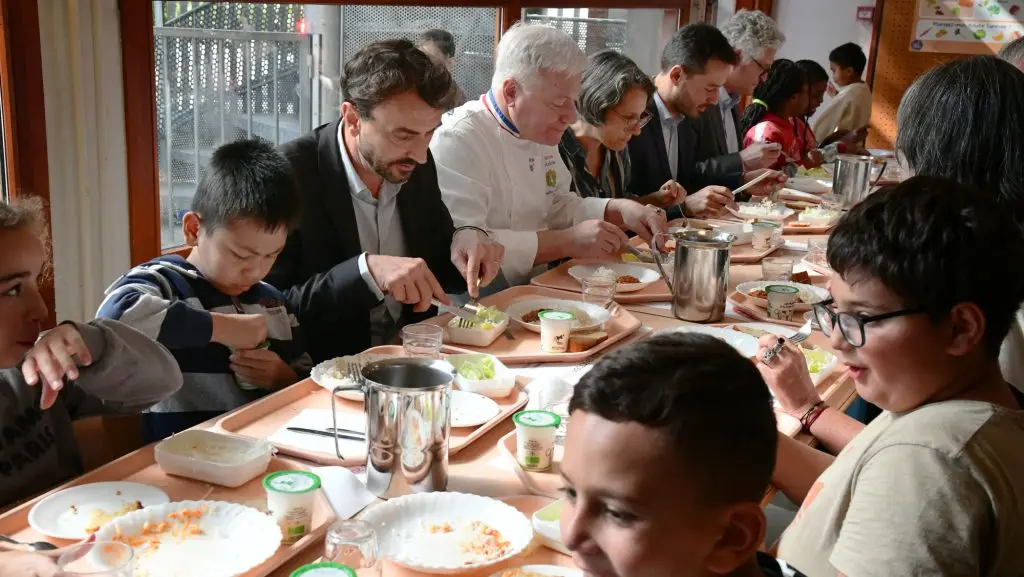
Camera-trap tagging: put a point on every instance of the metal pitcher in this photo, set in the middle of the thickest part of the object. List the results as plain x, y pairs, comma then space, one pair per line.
851, 179
700, 275
408, 402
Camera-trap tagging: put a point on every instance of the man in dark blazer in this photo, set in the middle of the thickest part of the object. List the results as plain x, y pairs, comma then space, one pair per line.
695, 64
376, 243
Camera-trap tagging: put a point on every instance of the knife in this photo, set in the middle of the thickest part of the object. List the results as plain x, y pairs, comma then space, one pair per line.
329, 435
459, 312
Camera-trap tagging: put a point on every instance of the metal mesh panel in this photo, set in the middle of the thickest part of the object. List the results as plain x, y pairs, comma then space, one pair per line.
473, 29
592, 33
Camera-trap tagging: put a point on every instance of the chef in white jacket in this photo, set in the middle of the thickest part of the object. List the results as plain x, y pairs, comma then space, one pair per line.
499, 169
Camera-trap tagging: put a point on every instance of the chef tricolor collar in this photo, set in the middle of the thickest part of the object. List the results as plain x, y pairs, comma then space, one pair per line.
495, 110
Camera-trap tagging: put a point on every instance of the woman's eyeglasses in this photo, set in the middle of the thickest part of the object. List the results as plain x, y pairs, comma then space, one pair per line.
764, 70
851, 326
634, 122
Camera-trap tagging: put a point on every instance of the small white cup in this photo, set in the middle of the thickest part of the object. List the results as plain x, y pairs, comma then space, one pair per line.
535, 439
762, 235
781, 300
555, 327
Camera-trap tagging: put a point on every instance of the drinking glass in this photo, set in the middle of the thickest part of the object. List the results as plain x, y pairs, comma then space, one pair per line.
102, 559
554, 397
422, 340
777, 268
598, 290
817, 250
831, 202
353, 543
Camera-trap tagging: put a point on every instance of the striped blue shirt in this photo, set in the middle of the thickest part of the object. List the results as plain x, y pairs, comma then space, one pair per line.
169, 300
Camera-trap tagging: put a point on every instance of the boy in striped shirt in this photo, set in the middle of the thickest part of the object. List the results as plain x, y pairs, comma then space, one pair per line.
232, 334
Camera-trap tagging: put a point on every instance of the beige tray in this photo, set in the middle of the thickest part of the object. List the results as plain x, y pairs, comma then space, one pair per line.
558, 278
791, 227
822, 270
264, 417
526, 346
745, 306
738, 254
544, 483
141, 467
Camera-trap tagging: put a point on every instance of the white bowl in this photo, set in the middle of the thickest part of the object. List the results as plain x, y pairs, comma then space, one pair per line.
402, 526
476, 336
321, 373
546, 522
644, 274
499, 387
810, 184
214, 457
592, 318
742, 231
742, 342
748, 210
809, 294
67, 514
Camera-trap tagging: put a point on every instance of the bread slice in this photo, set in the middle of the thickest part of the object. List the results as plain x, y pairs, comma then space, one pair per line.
579, 342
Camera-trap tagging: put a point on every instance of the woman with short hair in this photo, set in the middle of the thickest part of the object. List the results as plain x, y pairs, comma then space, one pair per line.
611, 109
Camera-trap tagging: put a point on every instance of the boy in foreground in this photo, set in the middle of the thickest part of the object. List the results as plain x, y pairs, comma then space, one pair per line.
850, 107
669, 452
231, 333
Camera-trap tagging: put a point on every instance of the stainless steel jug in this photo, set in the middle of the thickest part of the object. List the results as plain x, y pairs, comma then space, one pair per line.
407, 402
851, 179
700, 275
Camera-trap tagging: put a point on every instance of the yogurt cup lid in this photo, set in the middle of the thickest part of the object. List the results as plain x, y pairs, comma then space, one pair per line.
556, 315
324, 570
537, 419
291, 482
781, 288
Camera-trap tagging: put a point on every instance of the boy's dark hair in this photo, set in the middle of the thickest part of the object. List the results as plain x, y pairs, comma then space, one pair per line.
608, 78
443, 39
784, 80
935, 243
814, 71
247, 179
849, 55
387, 68
693, 45
707, 399
980, 139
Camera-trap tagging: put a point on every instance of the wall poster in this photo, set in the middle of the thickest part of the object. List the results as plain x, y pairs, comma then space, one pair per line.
966, 26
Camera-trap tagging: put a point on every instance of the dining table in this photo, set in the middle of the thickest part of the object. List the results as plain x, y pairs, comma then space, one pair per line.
482, 468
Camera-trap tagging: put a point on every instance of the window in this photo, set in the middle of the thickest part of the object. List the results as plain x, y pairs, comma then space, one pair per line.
640, 33
230, 70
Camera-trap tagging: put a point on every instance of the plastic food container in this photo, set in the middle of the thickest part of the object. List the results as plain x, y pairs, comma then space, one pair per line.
546, 522
476, 336
555, 327
291, 496
535, 439
214, 457
499, 387
324, 570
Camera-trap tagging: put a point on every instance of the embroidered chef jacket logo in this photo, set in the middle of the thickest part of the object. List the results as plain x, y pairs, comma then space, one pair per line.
549, 161
532, 163
551, 178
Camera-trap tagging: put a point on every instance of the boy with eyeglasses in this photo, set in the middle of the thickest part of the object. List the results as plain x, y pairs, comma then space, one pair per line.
921, 301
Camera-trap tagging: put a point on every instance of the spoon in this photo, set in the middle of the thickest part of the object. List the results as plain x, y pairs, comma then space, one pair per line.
36, 546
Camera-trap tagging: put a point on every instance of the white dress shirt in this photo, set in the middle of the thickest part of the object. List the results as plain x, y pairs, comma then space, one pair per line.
492, 179
670, 130
380, 232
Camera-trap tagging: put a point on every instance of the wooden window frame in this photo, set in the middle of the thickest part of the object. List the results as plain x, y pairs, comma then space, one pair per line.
140, 95
24, 115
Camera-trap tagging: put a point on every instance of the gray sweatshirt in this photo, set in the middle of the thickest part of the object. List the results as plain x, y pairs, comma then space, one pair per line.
129, 373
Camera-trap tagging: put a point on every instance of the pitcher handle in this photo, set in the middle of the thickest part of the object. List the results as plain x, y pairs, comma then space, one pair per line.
334, 412
881, 173
656, 242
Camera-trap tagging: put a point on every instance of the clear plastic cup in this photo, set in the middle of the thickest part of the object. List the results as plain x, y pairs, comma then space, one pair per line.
353, 543
777, 268
422, 340
598, 290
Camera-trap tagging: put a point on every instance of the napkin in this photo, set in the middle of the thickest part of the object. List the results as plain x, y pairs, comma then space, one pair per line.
795, 245
346, 493
320, 419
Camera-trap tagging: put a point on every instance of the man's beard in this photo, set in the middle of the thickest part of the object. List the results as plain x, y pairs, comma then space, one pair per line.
381, 168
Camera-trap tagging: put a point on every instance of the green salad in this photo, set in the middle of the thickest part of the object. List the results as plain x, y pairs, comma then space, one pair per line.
486, 319
481, 369
817, 359
813, 172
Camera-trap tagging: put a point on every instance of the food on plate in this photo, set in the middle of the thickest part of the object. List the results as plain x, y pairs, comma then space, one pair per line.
533, 317
801, 277
764, 208
478, 370
606, 273
486, 319
521, 573
817, 359
941, 33
627, 279
470, 542
817, 213
813, 172
579, 342
644, 255
180, 525
99, 517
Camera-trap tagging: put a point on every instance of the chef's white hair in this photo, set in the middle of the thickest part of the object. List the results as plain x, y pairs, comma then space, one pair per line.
752, 32
526, 50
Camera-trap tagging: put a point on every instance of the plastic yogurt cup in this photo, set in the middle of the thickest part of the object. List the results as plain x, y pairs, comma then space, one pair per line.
555, 327
781, 299
291, 496
242, 383
535, 439
761, 235
324, 570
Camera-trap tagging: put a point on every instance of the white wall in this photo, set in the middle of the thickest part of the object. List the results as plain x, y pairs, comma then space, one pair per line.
814, 27
726, 8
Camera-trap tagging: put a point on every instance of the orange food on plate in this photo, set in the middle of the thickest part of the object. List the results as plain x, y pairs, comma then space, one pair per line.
627, 279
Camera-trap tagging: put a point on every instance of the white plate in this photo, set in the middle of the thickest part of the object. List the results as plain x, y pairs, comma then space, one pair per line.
807, 292
320, 375
234, 539
595, 316
644, 274
471, 409
744, 343
552, 570
788, 333
402, 526
742, 210
66, 514
810, 184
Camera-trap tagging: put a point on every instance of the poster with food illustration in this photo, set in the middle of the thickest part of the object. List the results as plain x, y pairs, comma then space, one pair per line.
966, 26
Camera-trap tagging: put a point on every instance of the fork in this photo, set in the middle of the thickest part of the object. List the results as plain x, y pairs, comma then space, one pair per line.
355, 372
476, 307
801, 335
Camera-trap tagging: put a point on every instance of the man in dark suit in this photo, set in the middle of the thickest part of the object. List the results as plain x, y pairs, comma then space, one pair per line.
376, 243
694, 65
